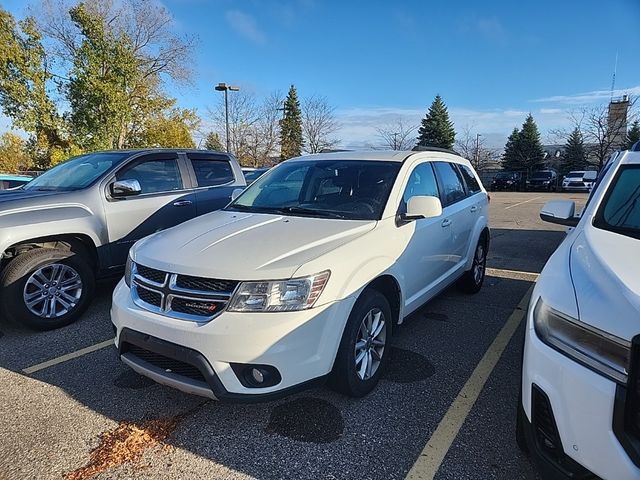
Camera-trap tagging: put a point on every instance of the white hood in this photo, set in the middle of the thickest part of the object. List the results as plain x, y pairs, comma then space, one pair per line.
245, 246
605, 269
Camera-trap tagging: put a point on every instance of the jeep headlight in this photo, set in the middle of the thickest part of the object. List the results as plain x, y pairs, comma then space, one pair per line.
279, 295
598, 350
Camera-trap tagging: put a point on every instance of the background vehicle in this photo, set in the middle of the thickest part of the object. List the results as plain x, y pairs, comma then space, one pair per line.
252, 174
574, 182
579, 411
77, 221
512, 181
304, 276
543, 180
8, 182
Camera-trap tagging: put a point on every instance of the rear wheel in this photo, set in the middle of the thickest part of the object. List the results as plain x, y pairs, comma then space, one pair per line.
46, 288
472, 280
363, 349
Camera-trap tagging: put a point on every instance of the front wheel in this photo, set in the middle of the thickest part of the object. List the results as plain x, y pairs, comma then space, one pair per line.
472, 280
363, 349
46, 288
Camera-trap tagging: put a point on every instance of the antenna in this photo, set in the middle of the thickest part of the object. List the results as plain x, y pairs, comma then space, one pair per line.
613, 80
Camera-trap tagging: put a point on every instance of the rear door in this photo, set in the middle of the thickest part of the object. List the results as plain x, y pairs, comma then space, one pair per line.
214, 179
165, 201
474, 204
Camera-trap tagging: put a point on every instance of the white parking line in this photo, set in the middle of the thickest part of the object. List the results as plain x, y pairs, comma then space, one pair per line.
440, 442
512, 274
521, 203
67, 357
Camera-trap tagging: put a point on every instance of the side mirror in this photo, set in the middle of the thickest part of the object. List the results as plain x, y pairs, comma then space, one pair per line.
236, 193
561, 212
125, 188
590, 176
423, 206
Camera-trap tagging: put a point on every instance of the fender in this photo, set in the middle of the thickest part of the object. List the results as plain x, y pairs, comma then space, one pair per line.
479, 226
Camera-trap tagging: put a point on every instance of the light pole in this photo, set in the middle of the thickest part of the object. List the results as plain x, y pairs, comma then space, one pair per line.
223, 87
478, 135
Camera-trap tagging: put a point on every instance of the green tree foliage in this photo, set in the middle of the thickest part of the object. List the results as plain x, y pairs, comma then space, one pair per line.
291, 127
436, 130
213, 142
169, 130
574, 156
523, 150
13, 156
633, 134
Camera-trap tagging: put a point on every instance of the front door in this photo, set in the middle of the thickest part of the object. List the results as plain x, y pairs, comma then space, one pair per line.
165, 201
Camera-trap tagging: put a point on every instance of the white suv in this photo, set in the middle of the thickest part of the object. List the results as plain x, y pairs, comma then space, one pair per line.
579, 412
303, 276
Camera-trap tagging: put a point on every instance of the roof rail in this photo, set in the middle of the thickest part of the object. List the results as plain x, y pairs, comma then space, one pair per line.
334, 150
427, 148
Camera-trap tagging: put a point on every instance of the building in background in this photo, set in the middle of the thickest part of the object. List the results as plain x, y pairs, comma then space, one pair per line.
617, 121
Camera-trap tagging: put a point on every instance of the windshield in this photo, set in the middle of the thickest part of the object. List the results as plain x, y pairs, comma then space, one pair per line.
77, 172
348, 189
541, 175
620, 209
575, 174
505, 175
252, 175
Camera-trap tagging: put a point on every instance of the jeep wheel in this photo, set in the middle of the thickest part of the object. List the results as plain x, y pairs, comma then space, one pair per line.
363, 349
472, 280
46, 288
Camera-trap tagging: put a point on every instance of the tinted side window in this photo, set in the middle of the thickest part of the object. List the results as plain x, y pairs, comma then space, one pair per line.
421, 182
470, 179
212, 172
450, 182
154, 176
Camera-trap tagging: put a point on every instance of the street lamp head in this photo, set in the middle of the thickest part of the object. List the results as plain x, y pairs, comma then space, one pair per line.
221, 87
234, 88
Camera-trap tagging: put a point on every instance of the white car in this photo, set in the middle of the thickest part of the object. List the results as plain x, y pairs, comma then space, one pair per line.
574, 182
579, 411
303, 276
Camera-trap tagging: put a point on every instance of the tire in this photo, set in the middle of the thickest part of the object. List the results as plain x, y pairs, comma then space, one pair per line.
24, 278
472, 280
351, 378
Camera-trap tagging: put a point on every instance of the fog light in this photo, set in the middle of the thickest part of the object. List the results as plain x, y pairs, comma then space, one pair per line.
257, 375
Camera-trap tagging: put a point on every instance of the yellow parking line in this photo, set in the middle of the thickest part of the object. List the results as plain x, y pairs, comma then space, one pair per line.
67, 357
521, 203
440, 442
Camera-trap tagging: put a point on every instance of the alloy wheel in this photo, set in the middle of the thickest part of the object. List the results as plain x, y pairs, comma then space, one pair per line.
52, 291
370, 344
479, 264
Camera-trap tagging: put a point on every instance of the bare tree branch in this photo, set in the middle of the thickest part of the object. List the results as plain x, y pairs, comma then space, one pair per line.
397, 135
318, 124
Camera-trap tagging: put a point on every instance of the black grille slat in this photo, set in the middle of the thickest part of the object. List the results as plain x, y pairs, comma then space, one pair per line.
206, 284
152, 274
150, 297
196, 307
165, 363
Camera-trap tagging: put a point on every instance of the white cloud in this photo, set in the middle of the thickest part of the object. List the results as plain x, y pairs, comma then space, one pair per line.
245, 25
589, 97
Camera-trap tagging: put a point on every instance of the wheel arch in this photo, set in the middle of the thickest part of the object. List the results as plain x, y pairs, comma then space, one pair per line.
387, 285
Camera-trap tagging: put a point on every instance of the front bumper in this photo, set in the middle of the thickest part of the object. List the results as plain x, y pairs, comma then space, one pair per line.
301, 346
583, 404
573, 188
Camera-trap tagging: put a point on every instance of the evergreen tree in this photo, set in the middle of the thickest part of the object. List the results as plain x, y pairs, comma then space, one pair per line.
213, 142
633, 135
436, 130
530, 153
510, 158
291, 127
574, 157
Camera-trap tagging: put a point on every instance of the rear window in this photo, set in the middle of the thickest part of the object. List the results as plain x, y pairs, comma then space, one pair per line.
210, 173
470, 179
620, 208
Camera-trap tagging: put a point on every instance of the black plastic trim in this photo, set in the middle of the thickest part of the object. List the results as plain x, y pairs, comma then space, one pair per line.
627, 403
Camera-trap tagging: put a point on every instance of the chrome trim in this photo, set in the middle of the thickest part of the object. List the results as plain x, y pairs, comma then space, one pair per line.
188, 316
136, 276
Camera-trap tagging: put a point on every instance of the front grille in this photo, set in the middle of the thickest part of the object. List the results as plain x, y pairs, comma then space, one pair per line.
165, 363
576, 184
205, 284
205, 308
148, 296
151, 274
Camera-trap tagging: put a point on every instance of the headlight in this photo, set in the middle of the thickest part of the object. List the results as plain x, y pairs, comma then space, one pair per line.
127, 271
600, 351
280, 295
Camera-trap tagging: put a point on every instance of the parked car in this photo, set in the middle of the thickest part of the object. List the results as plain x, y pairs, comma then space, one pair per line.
543, 180
9, 182
574, 182
512, 181
304, 276
579, 411
77, 221
252, 174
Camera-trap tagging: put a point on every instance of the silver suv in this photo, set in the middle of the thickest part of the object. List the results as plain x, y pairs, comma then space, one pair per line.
77, 221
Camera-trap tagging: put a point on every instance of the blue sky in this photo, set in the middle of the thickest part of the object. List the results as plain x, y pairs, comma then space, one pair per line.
493, 62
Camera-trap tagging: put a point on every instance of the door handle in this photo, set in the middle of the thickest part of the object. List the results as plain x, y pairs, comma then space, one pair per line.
474, 208
446, 222
181, 203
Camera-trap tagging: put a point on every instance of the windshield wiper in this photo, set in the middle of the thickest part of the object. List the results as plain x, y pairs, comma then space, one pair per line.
310, 211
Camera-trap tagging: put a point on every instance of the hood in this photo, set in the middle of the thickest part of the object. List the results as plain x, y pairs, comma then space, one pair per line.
604, 269
9, 196
245, 246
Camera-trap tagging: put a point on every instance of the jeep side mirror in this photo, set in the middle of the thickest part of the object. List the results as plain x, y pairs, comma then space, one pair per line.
561, 212
423, 206
126, 188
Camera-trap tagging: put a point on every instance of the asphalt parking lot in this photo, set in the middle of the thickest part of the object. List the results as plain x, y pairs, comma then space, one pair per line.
86, 415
